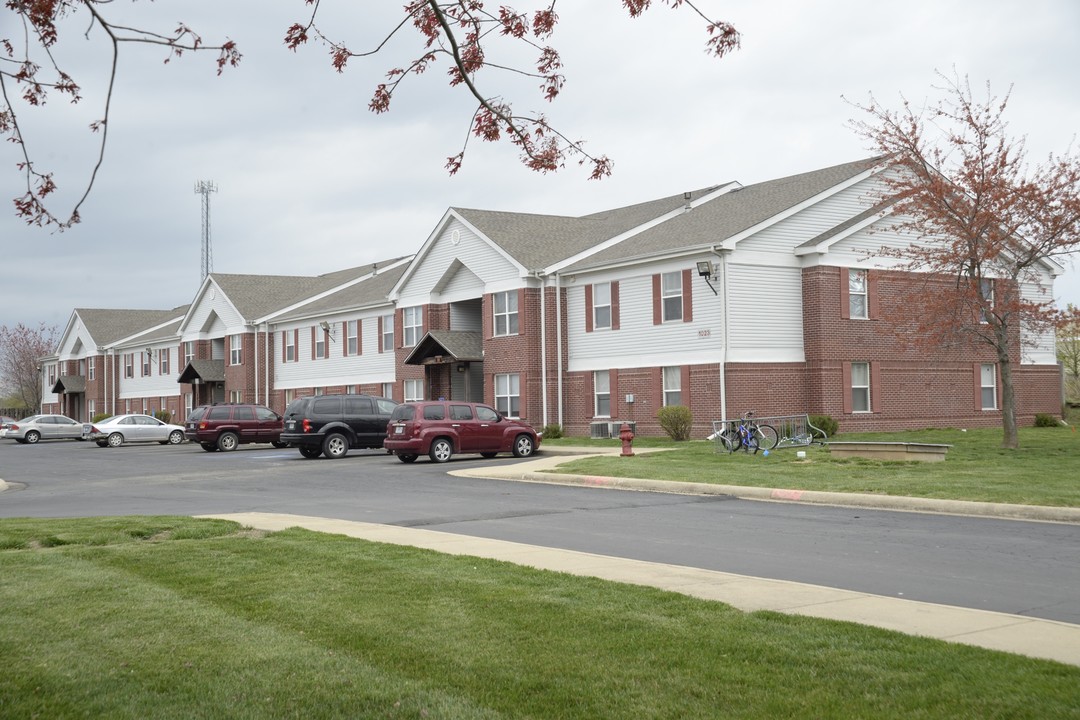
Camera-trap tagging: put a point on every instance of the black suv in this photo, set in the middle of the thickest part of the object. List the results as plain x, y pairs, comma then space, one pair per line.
225, 425
332, 424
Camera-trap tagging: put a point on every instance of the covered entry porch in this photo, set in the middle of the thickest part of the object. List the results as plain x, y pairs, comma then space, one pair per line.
453, 362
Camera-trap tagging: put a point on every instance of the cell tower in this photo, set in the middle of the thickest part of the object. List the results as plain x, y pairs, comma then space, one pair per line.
204, 188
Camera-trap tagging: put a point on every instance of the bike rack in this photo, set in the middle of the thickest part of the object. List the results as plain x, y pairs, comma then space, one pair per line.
793, 430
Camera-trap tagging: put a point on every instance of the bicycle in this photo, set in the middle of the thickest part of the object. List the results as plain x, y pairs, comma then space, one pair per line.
748, 434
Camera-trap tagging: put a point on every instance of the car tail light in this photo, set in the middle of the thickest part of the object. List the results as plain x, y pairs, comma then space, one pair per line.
13, 426
306, 425
202, 425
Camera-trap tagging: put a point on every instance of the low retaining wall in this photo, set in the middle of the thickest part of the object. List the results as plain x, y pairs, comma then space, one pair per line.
905, 451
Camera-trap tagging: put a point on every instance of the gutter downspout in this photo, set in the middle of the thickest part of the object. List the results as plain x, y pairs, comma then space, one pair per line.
727, 324
543, 348
266, 366
256, 373
558, 344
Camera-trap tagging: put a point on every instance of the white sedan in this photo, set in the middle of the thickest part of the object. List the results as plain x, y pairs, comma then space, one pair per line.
119, 429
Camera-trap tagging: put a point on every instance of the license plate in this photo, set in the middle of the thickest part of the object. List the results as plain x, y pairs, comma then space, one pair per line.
398, 429
290, 424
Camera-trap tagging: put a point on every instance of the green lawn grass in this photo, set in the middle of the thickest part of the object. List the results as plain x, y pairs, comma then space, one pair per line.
148, 617
1043, 471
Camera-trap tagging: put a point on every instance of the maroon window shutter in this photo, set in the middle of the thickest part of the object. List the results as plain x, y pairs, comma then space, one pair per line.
876, 394
283, 343
522, 315
588, 309
590, 392
613, 388
345, 338
656, 375
976, 371
313, 331
523, 389
657, 315
687, 296
399, 329
615, 305
296, 345
360, 336
845, 301
379, 334
684, 385
873, 307
847, 388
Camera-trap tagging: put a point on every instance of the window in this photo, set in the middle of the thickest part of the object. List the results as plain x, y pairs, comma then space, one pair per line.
860, 387
352, 337
672, 386
858, 304
236, 396
145, 363
320, 391
187, 403
350, 389
319, 339
290, 395
163, 361
602, 306
82, 368
986, 290
412, 323
91, 409
506, 313
461, 412
388, 390
988, 386
602, 393
414, 390
90, 371
508, 394
288, 340
671, 296
189, 352
234, 349
386, 328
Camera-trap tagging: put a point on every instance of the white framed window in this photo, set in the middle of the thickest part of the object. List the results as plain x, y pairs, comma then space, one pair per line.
388, 390
189, 352
90, 370
508, 394
163, 361
145, 365
602, 306
414, 390
288, 337
234, 349
387, 339
506, 313
91, 409
290, 395
352, 337
127, 407
320, 391
671, 296
602, 393
986, 290
82, 367
988, 386
857, 295
236, 396
412, 324
187, 404
672, 386
860, 387
320, 343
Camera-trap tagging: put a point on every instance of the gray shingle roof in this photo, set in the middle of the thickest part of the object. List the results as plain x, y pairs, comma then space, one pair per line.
372, 291
451, 344
108, 326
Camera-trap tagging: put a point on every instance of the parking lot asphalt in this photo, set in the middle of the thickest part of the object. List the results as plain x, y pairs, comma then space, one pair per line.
1018, 634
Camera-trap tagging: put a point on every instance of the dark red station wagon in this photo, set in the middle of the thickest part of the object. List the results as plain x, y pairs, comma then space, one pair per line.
441, 429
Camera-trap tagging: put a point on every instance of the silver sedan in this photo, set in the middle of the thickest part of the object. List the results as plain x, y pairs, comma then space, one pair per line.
43, 427
119, 429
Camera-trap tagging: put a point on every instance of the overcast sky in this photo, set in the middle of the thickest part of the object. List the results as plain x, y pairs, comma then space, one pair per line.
309, 181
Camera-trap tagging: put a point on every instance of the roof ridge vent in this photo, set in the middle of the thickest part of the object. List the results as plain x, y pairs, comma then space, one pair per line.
686, 198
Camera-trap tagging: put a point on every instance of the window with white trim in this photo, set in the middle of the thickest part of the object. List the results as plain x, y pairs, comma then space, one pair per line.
320, 343
988, 386
986, 291
860, 387
145, 364
234, 349
508, 394
602, 393
236, 396
320, 391
163, 361
388, 390
506, 313
387, 338
90, 370
602, 306
412, 324
189, 352
91, 409
290, 395
414, 390
858, 299
289, 339
672, 386
350, 389
187, 404
352, 337
671, 293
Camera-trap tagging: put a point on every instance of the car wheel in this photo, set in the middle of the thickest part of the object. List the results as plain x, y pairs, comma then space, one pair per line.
523, 446
32, 437
208, 447
335, 446
115, 439
21, 441
310, 452
407, 458
227, 442
102, 443
441, 450
488, 455
176, 437
279, 444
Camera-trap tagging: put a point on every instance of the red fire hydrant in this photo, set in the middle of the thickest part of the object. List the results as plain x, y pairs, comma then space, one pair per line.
627, 437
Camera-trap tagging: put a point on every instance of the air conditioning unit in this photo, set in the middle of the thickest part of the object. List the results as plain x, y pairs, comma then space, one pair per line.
616, 427
600, 430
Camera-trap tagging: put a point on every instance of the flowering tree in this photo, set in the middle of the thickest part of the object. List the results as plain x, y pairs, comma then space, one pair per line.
21, 347
1068, 351
985, 222
462, 34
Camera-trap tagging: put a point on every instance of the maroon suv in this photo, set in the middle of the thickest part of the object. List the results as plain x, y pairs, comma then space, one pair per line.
441, 429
